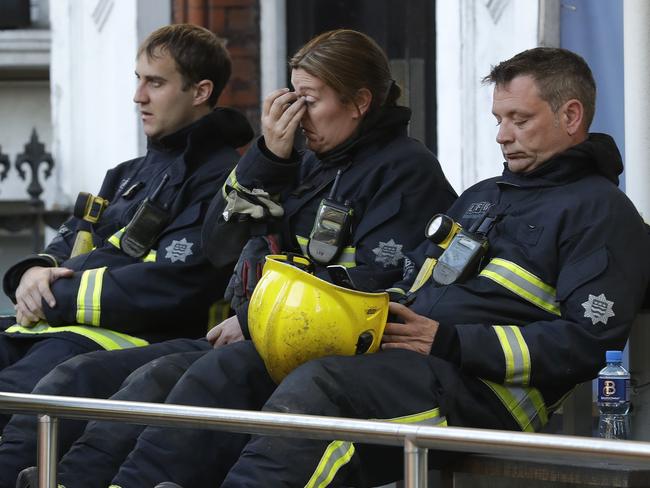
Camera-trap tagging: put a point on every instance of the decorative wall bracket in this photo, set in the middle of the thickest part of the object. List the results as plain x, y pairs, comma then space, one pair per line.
34, 156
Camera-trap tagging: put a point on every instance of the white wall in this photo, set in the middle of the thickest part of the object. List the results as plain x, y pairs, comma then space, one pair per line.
95, 122
473, 35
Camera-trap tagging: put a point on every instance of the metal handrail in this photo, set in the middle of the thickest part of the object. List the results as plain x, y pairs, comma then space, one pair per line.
416, 439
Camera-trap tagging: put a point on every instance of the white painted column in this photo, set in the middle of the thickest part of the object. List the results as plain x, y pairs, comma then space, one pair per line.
95, 125
471, 36
637, 103
273, 45
636, 17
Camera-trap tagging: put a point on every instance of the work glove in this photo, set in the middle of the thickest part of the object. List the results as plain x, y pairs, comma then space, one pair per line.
242, 203
248, 269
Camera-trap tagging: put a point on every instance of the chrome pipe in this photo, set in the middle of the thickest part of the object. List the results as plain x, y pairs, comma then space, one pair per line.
415, 465
317, 427
423, 464
47, 445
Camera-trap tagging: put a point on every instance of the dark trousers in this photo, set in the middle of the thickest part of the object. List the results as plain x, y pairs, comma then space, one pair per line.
96, 374
95, 457
388, 385
25, 359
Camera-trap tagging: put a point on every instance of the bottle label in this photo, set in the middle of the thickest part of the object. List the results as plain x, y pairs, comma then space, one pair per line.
613, 389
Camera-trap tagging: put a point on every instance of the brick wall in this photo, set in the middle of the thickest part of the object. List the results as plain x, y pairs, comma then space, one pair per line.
238, 22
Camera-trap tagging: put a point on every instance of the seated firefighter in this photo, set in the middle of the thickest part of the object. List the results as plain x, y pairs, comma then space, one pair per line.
141, 275
358, 164
492, 338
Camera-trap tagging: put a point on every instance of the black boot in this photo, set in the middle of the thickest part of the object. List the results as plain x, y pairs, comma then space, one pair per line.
28, 478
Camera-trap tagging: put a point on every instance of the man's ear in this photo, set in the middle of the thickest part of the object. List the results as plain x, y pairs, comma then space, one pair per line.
362, 101
202, 91
573, 113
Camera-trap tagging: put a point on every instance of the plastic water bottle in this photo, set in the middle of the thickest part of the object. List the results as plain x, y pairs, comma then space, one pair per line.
614, 398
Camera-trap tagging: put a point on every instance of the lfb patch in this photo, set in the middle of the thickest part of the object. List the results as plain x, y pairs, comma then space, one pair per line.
598, 309
388, 253
179, 250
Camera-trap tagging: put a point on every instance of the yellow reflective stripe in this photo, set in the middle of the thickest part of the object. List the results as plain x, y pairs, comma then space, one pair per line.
231, 181
218, 312
430, 417
424, 274
346, 258
396, 290
89, 296
150, 258
106, 338
336, 455
522, 283
117, 237
116, 240
339, 453
516, 354
525, 404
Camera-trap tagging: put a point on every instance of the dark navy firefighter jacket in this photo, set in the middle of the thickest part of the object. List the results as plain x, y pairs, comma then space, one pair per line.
118, 300
562, 280
393, 183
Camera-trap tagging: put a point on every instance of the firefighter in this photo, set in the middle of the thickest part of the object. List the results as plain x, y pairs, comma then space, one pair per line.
143, 277
356, 196
540, 272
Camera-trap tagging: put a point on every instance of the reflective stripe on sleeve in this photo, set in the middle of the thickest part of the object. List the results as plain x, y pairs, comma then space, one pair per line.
339, 453
89, 296
525, 404
346, 258
106, 338
516, 354
522, 283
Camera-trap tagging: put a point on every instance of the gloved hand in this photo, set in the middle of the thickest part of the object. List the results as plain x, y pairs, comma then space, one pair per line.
248, 269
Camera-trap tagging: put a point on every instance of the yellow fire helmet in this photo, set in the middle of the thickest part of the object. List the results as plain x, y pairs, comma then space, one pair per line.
293, 317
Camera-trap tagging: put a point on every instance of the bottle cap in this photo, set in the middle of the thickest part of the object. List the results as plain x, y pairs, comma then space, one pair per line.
614, 356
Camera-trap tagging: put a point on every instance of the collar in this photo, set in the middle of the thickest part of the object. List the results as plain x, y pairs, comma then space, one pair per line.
598, 154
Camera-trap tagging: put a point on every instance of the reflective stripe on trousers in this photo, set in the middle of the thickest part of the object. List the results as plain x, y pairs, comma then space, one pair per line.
339, 453
525, 404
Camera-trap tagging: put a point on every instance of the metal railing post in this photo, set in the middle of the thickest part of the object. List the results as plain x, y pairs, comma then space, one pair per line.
48, 432
415, 465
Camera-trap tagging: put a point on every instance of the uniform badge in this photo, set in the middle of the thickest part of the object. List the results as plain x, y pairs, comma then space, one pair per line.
179, 250
388, 253
477, 209
598, 309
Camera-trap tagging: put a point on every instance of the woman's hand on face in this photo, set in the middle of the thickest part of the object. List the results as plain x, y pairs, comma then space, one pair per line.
281, 114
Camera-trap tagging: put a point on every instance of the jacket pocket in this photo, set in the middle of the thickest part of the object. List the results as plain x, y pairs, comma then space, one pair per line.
580, 272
